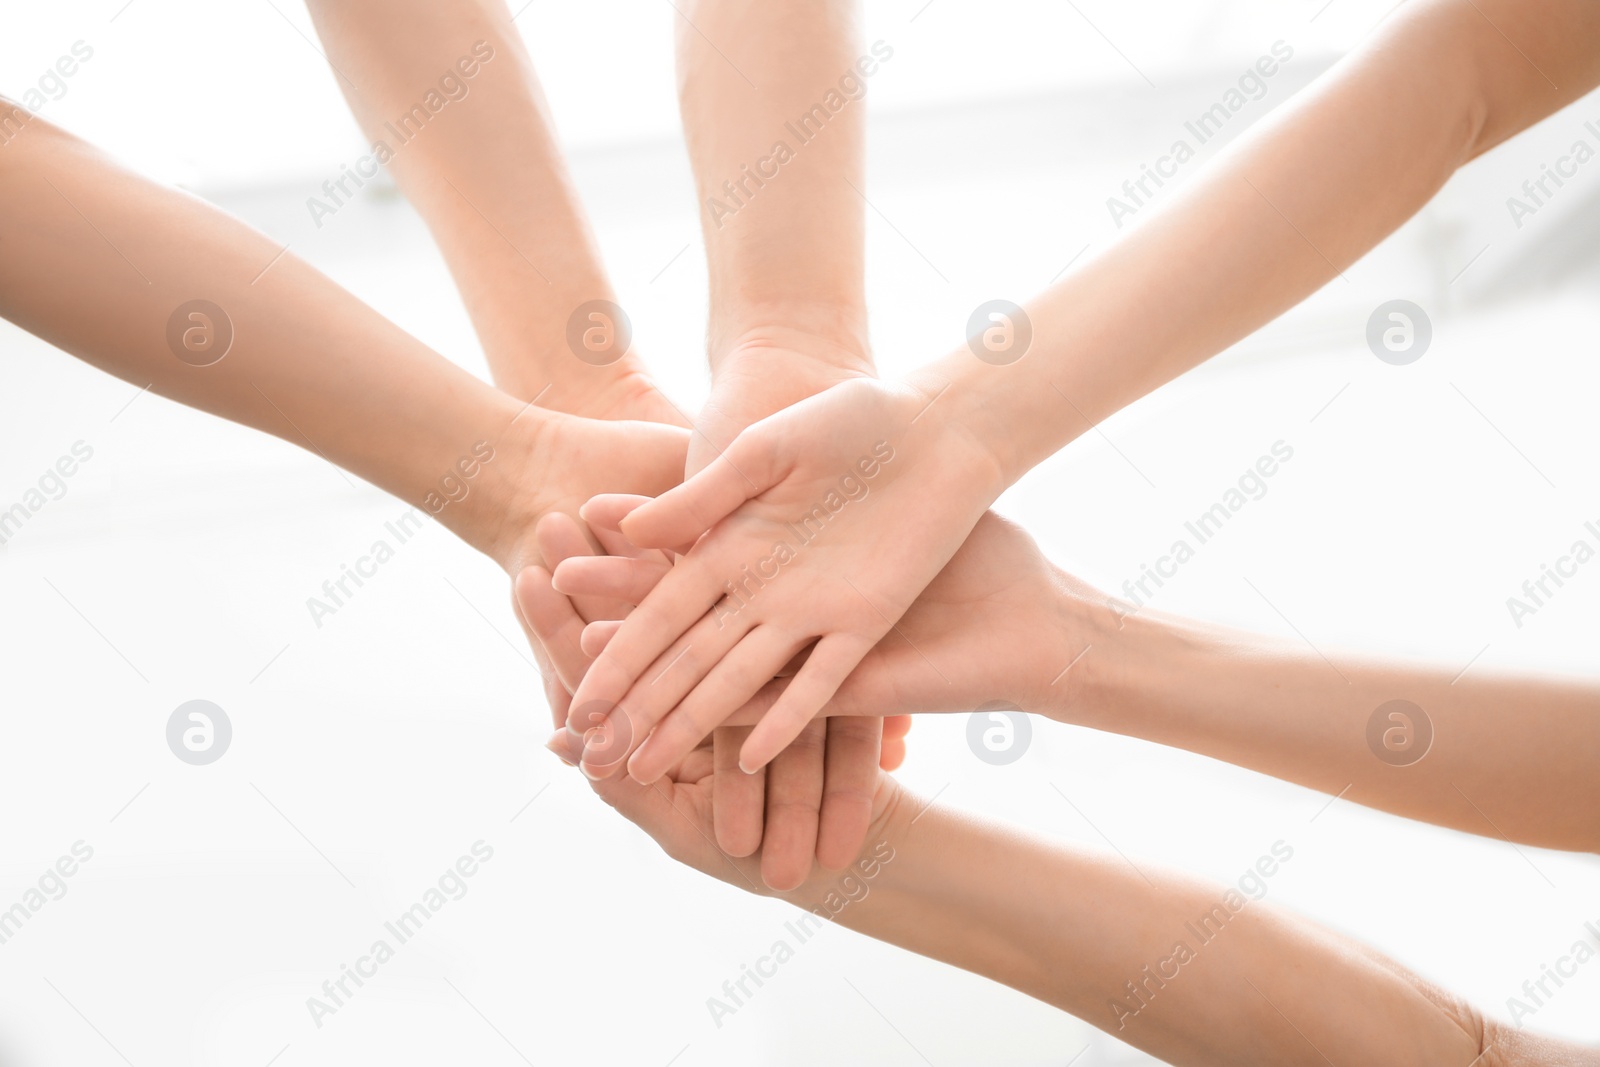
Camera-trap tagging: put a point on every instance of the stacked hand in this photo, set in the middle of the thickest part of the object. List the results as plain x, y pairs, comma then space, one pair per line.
813, 532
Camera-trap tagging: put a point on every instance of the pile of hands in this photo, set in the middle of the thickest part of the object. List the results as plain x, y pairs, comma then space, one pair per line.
730, 659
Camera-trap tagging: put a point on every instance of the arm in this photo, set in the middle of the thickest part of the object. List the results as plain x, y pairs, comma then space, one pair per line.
1443, 80
1498, 755
784, 233
1502, 755
487, 175
1196, 974
103, 263
1297, 199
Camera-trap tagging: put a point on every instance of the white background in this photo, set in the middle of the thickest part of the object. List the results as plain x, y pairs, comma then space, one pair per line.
370, 754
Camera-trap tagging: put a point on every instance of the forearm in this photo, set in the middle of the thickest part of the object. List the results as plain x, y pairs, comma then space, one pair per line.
100, 262
1193, 973
1279, 214
484, 171
773, 116
1489, 754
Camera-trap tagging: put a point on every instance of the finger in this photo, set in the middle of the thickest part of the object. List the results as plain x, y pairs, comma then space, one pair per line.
560, 701
683, 597
851, 779
559, 537
737, 798
611, 577
734, 679
893, 753
648, 807
829, 664
869, 692
746, 469
665, 683
554, 623
604, 514
794, 798
607, 510
597, 635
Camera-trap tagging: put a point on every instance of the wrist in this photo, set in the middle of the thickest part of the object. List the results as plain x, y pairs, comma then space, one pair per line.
881, 868
483, 497
827, 341
1144, 666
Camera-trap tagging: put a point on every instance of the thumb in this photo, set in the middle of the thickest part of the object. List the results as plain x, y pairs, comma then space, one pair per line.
746, 469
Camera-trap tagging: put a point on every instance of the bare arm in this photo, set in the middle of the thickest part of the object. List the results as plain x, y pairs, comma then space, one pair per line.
486, 173
1195, 973
771, 97
108, 266
1502, 755
1300, 197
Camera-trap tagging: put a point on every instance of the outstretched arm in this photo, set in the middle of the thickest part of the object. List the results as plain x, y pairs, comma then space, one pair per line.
1195, 973
771, 96
1297, 199
483, 168
165, 291
1500, 755
1300, 196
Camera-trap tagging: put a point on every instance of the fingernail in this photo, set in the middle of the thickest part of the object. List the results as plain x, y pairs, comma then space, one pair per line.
746, 770
587, 773
560, 743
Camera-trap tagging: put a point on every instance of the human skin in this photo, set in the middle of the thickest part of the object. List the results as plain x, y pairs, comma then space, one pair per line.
100, 259
1015, 907
787, 320
788, 314
1277, 215
1081, 930
1511, 756
488, 177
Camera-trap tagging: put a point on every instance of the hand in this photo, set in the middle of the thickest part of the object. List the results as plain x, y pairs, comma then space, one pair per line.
676, 811
547, 466
814, 797
622, 577
999, 623
830, 518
